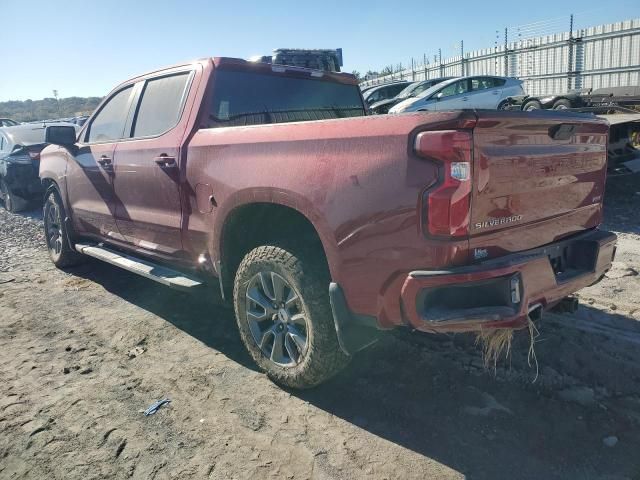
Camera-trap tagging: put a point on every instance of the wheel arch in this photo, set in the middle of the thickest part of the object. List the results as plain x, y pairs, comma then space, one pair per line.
253, 218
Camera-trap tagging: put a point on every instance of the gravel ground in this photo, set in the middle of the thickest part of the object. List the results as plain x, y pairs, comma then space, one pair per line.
83, 352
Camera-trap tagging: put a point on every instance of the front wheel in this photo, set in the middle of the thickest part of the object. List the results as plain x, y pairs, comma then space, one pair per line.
282, 308
55, 229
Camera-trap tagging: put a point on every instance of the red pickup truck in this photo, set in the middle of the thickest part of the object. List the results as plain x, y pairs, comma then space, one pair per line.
269, 185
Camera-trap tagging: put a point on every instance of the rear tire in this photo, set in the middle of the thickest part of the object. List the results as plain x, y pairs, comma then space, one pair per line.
12, 202
282, 308
531, 105
56, 234
561, 104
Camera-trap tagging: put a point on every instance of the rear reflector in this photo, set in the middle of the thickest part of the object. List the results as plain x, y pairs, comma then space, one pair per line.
446, 205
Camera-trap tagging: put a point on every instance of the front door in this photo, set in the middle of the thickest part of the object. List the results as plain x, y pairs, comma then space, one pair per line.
90, 175
454, 96
147, 167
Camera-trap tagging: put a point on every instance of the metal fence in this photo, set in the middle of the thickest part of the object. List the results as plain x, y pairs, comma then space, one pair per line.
602, 56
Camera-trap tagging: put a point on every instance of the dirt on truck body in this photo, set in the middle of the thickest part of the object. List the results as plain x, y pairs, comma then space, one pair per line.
322, 226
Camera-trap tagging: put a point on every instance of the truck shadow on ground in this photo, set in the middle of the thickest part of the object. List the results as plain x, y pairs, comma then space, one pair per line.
431, 395
621, 204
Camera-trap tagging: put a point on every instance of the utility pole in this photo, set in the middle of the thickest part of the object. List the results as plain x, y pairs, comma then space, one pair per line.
55, 95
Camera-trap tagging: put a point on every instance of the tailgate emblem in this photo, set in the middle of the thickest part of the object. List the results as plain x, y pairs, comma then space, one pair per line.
495, 222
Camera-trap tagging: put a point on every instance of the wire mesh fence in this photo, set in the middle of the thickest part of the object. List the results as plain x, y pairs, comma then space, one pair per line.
550, 56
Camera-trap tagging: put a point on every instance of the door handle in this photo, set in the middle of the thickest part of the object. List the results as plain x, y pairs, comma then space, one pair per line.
164, 160
104, 161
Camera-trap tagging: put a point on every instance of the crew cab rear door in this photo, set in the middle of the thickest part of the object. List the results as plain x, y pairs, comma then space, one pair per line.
147, 164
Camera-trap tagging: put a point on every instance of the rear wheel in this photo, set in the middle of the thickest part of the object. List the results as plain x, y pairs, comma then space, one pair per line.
562, 104
12, 202
61, 252
282, 309
531, 105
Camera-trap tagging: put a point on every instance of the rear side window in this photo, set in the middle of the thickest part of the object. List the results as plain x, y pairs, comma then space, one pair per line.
161, 105
249, 98
483, 83
108, 125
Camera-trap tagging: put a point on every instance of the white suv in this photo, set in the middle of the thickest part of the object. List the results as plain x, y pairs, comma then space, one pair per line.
460, 93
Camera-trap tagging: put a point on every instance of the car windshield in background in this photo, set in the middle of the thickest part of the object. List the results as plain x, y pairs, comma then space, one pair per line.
247, 98
410, 91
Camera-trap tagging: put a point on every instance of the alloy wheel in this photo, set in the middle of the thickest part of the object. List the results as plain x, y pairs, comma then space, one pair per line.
276, 319
53, 227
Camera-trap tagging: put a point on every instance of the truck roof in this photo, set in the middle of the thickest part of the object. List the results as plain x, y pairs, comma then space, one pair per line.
230, 63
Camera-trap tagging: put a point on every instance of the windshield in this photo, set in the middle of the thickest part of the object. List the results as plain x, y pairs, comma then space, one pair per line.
249, 98
436, 88
410, 91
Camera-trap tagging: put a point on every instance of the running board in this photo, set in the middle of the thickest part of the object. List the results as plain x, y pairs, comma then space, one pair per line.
166, 276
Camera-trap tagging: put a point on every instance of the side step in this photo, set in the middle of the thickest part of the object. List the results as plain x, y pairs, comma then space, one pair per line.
166, 276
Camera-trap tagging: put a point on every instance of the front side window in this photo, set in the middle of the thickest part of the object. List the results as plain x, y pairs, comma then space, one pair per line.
161, 105
108, 125
456, 88
252, 98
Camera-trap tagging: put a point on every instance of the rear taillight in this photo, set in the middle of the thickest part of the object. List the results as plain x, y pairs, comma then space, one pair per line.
446, 205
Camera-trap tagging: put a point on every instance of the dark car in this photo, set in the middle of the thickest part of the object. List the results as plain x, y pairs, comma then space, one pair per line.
7, 122
20, 148
410, 91
382, 92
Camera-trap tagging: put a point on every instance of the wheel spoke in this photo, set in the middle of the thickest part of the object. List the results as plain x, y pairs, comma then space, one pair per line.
257, 297
265, 338
299, 339
292, 298
267, 286
292, 350
277, 353
278, 287
299, 320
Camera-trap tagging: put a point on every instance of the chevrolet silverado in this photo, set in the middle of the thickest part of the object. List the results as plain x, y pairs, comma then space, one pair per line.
268, 186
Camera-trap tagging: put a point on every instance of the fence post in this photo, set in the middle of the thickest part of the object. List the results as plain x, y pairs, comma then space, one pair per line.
424, 64
506, 52
571, 47
440, 62
462, 58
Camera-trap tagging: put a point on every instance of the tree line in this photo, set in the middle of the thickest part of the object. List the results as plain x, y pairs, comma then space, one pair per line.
48, 108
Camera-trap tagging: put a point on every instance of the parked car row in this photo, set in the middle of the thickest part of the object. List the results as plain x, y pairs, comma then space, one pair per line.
473, 92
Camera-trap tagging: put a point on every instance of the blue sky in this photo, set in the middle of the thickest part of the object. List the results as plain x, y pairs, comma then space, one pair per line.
85, 47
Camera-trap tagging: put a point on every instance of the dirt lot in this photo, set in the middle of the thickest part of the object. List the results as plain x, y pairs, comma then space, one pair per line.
83, 352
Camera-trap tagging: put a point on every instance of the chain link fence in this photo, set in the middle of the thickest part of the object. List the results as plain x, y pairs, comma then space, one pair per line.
548, 59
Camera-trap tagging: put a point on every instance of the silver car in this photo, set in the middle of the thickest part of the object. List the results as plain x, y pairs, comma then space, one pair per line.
481, 91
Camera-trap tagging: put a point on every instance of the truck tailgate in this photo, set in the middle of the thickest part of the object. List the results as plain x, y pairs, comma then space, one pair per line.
545, 170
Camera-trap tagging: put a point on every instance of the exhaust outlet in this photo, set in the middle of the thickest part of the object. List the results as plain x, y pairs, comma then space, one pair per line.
566, 305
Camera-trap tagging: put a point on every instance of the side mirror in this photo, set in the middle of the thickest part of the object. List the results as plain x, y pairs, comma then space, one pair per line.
438, 96
60, 135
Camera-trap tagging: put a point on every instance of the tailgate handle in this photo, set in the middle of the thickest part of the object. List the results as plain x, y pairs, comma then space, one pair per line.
562, 131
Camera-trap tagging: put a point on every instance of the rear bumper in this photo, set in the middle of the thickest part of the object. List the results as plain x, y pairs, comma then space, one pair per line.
500, 293
23, 180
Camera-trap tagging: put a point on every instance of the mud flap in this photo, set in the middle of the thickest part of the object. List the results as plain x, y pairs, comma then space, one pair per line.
355, 332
